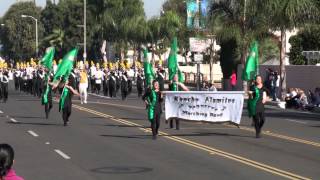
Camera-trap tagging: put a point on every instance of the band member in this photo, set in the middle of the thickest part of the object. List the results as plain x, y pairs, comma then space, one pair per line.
16, 79
153, 98
4, 86
139, 85
160, 79
174, 86
112, 85
47, 96
93, 70
106, 83
65, 104
83, 85
257, 99
98, 79
124, 86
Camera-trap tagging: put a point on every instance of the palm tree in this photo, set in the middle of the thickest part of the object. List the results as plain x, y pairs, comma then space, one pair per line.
239, 22
286, 15
56, 39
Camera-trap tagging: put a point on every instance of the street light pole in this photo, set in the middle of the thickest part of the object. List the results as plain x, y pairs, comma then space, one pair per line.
37, 40
85, 30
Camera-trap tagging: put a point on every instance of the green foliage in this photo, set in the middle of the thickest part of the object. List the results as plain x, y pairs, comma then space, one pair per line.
295, 55
231, 25
268, 49
179, 8
18, 35
306, 40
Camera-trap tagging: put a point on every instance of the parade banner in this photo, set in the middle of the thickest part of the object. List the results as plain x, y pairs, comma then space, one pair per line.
219, 106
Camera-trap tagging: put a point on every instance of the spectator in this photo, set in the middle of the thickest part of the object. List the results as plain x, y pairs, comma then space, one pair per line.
233, 80
205, 86
6, 163
302, 100
275, 83
291, 99
212, 87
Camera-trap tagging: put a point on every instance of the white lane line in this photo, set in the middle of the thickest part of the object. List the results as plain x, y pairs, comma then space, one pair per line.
33, 133
13, 120
62, 154
1, 112
300, 122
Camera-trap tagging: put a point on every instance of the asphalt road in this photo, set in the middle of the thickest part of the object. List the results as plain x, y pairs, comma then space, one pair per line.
110, 139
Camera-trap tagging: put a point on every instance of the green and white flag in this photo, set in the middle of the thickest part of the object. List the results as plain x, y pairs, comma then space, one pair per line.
65, 67
252, 63
48, 58
148, 71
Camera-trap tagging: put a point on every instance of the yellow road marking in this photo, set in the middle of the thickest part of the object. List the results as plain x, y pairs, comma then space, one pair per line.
210, 150
280, 136
112, 104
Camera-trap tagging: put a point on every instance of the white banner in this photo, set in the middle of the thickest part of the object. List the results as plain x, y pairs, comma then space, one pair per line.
218, 106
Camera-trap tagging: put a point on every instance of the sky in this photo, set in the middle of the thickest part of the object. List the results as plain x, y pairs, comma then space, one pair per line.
152, 7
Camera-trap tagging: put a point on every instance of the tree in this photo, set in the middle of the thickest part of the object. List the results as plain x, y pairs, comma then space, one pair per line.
239, 22
72, 17
56, 39
179, 7
284, 15
307, 39
162, 30
51, 18
114, 20
18, 35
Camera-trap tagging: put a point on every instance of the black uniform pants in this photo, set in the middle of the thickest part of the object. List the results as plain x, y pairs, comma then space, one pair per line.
124, 94
47, 108
66, 112
4, 91
259, 120
155, 124
177, 123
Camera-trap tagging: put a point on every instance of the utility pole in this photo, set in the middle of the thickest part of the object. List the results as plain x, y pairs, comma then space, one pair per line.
85, 29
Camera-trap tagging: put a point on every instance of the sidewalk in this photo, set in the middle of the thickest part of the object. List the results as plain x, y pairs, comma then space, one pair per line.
281, 105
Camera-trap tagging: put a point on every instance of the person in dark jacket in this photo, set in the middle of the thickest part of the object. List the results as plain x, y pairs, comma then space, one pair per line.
65, 104
139, 85
124, 86
153, 99
112, 85
4, 86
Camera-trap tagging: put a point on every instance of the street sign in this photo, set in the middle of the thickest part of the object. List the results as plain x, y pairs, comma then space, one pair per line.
199, 45
198, 57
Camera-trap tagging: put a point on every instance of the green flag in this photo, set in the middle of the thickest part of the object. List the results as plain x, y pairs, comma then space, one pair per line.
173, 62
66, 66
148, 71
172, 59
48, 58
250, 71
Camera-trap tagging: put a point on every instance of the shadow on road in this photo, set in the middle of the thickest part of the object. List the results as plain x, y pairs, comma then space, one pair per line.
35, 124
122, 170
28, 117
113, 125
129, 136
299, 116
198, 134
